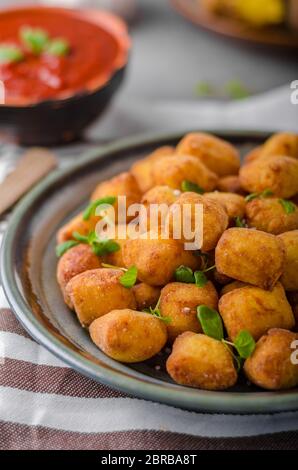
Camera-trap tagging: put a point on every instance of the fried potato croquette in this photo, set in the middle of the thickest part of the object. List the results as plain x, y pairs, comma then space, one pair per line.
146, 296
160, 195
76, 224
202, 362
283, 143
75, 261
255, 310
172, 171
116, 257
289, 278
179, 302
142, 169
230, 184
129, 336
157, 259
122, 233
221, 278
163, 196
217, 154
232, 286
293, 301
234, 204
215, 218
278, 173
124, 184
270, 366
96, 292
269, 215
252, 155
250, 256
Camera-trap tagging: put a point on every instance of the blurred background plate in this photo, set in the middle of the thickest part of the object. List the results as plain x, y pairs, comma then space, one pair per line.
274, 36
28, 270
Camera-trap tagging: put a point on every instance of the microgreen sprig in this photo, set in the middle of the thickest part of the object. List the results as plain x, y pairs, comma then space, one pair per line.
99, 246
58, 47
94, 206
129, 278
37, 41
239, 222
184, 274
266, 193
187, 275
157, 313
34, 39
212, 326
189, 186
288, 206
64, 247
10, 53
236, 89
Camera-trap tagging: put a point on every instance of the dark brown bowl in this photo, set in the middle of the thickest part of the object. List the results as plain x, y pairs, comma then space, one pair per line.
56, 121
62, 120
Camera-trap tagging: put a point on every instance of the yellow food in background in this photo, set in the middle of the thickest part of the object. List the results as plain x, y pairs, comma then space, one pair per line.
261, 12
255, 12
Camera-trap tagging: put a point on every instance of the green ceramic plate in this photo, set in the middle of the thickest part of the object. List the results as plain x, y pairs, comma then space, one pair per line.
28, 266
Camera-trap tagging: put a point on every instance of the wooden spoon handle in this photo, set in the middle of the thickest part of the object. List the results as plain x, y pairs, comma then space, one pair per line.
31, 168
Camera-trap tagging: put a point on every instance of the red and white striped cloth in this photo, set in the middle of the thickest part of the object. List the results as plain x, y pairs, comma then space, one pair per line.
46, 405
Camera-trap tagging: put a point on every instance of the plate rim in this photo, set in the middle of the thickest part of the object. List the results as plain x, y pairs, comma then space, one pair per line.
163, 392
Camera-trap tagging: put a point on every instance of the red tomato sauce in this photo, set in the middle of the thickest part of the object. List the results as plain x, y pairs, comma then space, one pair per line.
41, 77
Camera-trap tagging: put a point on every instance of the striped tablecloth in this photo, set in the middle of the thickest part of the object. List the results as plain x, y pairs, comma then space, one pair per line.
46, 405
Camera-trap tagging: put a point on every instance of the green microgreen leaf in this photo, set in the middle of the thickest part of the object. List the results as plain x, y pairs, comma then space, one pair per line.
266, 193
64, 247
200, 278
58, 47
91, 208
204, 89
157, 313
81, 238
236, 89
10, 53
188, 186
103, 247
184, 274
288, 206
129, 278
92, 237
237, 359
211, 322
99, 246
35, 39
244, 344
239, 222
251, 197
